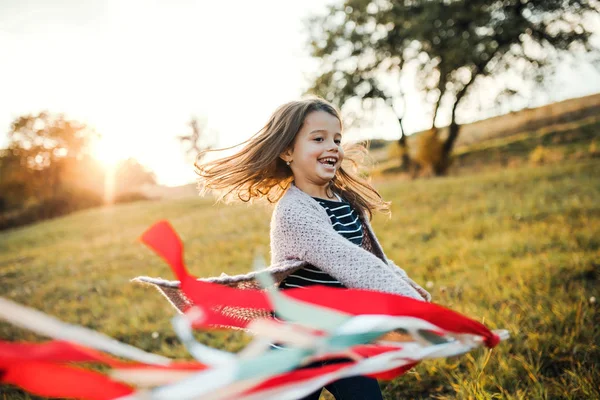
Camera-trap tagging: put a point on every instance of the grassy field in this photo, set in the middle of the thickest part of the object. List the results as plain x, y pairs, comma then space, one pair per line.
516, 248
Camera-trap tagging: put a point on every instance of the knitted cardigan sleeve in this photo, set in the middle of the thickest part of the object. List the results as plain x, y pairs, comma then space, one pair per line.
301, 231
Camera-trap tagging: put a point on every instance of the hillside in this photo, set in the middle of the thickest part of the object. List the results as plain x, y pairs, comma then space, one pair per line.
515, 248
526, 120
516, 123
169, 192
530, 119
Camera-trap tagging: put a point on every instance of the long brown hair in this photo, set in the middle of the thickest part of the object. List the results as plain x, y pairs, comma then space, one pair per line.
257, 171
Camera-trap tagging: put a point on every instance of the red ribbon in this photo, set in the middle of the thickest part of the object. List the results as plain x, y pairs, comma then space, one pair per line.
163, 239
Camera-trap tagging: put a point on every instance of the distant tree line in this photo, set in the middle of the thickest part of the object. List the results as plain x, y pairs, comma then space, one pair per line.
47, 170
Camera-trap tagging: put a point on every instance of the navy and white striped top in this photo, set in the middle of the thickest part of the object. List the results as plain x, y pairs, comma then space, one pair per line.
346, 222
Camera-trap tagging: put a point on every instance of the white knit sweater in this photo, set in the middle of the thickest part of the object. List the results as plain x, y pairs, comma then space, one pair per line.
302, 234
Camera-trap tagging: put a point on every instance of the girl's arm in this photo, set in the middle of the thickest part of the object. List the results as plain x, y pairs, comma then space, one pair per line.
311, 238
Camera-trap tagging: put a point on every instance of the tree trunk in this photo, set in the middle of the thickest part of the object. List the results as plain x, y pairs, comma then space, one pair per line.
453, 134
453, 131
405, 160
442, 89
454, 128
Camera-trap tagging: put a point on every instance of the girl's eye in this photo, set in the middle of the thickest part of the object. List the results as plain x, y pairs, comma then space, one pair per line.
337, 141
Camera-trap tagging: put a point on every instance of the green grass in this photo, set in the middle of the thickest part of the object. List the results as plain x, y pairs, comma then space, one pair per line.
514, 248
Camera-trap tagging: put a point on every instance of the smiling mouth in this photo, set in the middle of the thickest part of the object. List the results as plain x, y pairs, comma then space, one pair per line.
328, 161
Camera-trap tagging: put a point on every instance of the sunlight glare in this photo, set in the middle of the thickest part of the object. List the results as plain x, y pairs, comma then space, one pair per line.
108, 152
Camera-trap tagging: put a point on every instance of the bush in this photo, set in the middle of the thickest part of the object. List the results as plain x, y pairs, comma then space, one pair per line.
395, 151
66, 202
374, 144
130, 197
543, 155
594, 150
429, 154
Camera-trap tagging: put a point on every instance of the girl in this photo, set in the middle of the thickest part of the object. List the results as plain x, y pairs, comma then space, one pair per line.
320, 230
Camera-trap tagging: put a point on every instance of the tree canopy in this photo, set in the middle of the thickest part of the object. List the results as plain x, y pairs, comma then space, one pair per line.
47, 170
364, 46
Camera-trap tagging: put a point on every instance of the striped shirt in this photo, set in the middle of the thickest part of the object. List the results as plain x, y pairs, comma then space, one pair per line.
345, 221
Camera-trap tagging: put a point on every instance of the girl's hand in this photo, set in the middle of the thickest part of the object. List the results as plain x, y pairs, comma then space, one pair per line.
424, 293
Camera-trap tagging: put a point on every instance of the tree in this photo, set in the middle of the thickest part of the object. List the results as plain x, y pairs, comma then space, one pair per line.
13, 181
130, 174
197, 139
364, 46
41, 149
47, 171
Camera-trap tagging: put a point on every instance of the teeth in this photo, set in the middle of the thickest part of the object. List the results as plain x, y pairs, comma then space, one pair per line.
328, 160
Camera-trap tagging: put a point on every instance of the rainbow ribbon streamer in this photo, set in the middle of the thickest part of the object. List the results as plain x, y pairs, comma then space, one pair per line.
369, 333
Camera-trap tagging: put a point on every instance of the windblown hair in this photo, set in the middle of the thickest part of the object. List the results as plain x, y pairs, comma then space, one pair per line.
257, 171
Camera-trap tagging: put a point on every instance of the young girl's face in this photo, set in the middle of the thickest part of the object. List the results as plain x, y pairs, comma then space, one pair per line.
316, 153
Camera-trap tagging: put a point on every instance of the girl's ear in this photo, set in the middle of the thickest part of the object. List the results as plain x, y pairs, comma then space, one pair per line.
286, 155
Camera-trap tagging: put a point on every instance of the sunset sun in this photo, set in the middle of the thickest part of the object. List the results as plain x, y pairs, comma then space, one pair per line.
108, 152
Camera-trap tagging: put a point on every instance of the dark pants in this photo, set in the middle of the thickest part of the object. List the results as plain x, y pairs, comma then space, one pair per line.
352, 388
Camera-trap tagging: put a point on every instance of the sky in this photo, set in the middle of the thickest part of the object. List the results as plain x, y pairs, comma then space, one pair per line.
137, 71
